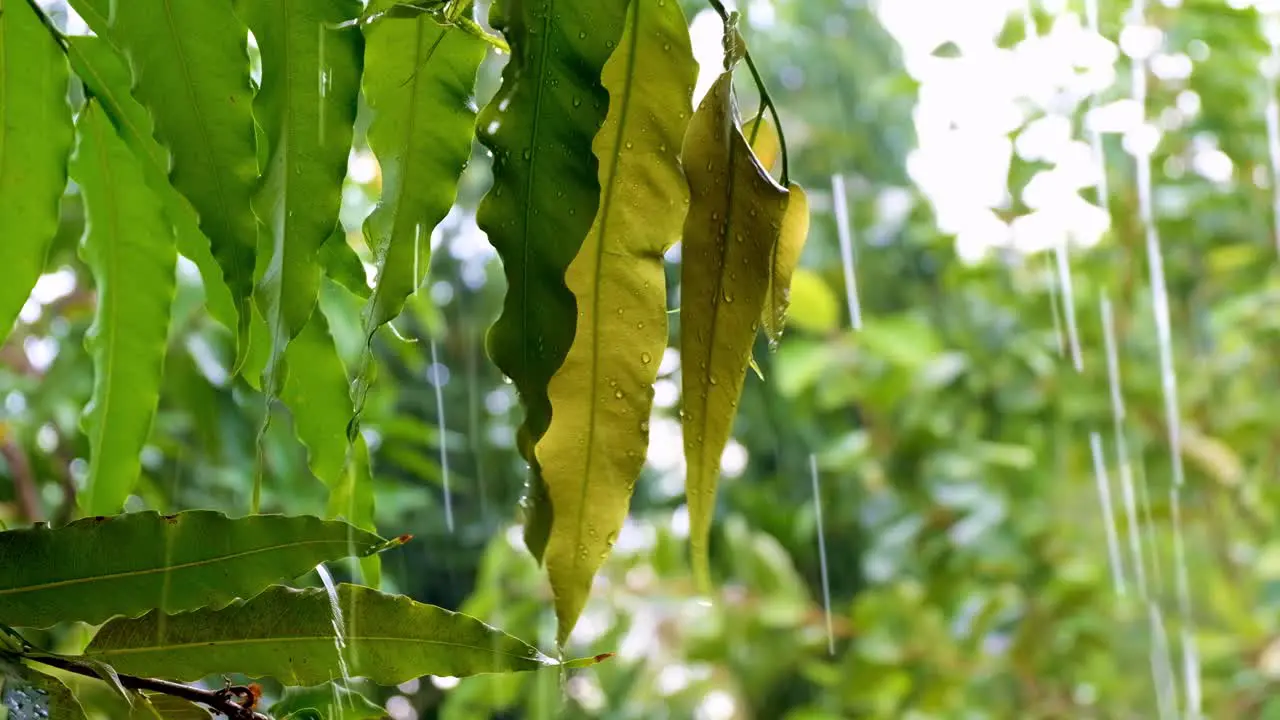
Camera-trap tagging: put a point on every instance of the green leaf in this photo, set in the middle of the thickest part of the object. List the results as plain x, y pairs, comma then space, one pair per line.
817, 307
786, 255
106, 77
98, 567
316, 393
330, 700
288, 634
130, 249
602, 395
545, 192
35, 139
418, 82
306, 106
735, 217
29, 694
191, 70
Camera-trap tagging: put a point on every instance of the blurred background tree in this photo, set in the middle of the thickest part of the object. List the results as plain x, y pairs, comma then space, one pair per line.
968, 565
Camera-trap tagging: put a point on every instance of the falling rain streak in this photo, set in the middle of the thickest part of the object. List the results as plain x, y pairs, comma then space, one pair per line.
1168, 378
1122, 450
840, 202
822, 553
437, 380
1108, 513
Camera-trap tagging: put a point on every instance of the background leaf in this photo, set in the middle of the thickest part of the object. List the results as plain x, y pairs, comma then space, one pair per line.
735, 216
166, 707
288, 634
602, 395
98, 567
306, 106
191, 71
129, 246
35, 139
418, 83
105, 75
544, 196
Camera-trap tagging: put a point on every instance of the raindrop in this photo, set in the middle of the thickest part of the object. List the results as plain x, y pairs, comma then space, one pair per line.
645, 358
617, 394
822, 553
845, 236
444, 438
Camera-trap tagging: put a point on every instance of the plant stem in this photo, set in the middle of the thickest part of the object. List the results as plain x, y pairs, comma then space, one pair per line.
765, 100
221, 701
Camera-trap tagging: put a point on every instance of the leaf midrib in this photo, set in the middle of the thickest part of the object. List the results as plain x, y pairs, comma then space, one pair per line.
108, 256
327, 639
606, 205
526, 310
730, 189
167, 568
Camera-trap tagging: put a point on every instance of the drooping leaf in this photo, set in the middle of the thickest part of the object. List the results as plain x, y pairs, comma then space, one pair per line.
98, 567
130, 248
191, 71
786, 255
418, 81
602, 395
316, 393
545, 193
332, 701
106, 77
736, 214
288, 635
35, 140
306, 106
29, 694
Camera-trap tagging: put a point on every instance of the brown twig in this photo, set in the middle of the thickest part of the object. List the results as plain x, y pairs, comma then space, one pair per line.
24, 483
220, 701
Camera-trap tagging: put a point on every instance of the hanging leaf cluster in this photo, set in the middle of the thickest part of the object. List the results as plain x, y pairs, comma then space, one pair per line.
179, 149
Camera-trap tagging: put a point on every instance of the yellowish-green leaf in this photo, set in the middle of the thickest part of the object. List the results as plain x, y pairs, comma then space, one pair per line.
306, 107
105, 74
817, 309
35, 139
786, 255
545, 193
602, 395
735, 217
129, 245
763, 138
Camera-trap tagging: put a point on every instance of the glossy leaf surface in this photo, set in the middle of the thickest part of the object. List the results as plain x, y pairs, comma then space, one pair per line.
418, 81
735, 216
288, 635
35, 140
306, 106
602, 395
96, 568
545, 194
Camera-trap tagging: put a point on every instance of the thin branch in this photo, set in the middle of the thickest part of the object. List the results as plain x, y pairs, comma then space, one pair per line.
24, 483
221, 701
765, 100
